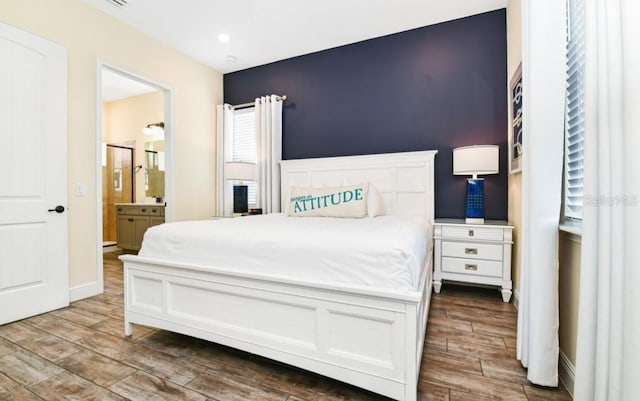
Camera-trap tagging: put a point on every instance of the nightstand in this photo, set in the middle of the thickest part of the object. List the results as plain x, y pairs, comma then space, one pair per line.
473, 253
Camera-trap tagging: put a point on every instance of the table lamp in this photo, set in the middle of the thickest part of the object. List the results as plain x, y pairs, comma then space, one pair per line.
475, 160
240, 171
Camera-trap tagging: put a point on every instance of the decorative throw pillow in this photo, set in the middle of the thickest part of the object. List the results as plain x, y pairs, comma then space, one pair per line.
375, 205
347, 201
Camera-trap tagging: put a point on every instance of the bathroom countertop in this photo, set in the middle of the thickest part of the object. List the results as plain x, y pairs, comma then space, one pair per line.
141, 204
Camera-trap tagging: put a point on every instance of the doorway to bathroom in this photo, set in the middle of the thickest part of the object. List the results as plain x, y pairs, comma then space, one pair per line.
133, 155
134, 149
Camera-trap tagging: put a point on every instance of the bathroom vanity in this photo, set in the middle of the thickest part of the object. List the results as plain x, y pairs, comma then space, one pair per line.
133, 219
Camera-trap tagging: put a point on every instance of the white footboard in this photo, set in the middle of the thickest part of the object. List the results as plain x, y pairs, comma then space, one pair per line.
371, 339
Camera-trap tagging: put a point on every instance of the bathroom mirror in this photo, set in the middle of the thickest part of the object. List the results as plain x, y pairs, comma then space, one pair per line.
154, 169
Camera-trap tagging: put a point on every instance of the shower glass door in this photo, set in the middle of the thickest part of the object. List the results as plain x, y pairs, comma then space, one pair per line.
117, 187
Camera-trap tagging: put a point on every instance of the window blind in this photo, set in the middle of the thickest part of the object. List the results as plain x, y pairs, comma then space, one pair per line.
243, 148
574, 117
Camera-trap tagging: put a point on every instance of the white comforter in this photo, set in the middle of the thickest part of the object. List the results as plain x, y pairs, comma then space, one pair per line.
381, 252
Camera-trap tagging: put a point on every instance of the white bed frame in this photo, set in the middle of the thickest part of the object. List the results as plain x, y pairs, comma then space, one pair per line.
370, 338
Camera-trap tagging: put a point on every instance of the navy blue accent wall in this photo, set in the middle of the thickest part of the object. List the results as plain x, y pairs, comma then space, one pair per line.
436, 87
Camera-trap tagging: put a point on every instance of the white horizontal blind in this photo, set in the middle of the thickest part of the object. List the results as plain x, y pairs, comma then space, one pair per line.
243, 148
574, 118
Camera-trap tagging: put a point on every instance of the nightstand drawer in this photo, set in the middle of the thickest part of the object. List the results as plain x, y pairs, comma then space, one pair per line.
471, 250
472, 266
472, 233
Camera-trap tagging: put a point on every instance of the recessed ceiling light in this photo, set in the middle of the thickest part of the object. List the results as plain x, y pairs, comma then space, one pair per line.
230, 58
223, 37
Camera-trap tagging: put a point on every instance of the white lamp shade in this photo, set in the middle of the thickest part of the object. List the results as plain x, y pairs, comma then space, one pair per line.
240, 171
476, 159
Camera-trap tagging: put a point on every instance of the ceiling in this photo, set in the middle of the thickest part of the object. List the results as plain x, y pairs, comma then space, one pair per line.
116, 86
263, 31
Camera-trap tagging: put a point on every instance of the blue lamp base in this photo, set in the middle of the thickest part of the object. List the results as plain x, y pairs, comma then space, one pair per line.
475, 201
240, 199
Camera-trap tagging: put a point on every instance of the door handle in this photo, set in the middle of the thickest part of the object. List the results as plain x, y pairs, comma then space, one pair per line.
58, 209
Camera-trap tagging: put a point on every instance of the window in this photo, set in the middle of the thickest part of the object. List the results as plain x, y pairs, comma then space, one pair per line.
574, 114
243, 146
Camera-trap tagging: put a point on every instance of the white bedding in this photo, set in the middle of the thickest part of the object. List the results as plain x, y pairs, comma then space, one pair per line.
382, 252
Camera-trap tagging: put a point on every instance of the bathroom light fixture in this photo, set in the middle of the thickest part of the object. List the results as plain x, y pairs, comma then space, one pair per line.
155, 128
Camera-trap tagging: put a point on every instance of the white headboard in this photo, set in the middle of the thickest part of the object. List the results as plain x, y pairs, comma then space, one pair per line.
405, 179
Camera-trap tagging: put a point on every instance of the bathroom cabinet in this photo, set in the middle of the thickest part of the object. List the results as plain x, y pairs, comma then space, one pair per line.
133, 220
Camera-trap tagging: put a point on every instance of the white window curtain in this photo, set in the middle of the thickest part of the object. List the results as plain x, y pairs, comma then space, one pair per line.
224, 188
608, 351
543, 73
269, 142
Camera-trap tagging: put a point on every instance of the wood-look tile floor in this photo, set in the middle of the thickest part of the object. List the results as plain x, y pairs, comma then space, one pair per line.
79, 353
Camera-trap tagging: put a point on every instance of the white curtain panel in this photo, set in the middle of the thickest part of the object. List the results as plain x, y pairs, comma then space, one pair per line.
224, 189
269, 143
543, 73
608, 351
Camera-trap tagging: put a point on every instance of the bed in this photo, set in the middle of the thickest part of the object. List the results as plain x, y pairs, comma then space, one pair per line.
367, 331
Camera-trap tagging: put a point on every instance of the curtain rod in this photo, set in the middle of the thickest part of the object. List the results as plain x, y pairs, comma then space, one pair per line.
249, 104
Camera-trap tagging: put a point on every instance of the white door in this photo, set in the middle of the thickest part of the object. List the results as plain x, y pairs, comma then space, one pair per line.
33, 175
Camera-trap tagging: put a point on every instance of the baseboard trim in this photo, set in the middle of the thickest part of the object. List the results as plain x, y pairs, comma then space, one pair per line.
516, 298
83, 291
567, 373
110, 248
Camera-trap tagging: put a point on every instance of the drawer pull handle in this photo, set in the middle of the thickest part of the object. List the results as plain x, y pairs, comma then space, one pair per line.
471, 233
471, 251
143, 210
129, 219
471, 267
154, 211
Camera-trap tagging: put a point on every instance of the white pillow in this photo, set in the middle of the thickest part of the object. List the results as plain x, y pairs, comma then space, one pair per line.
375, 203
347, 201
